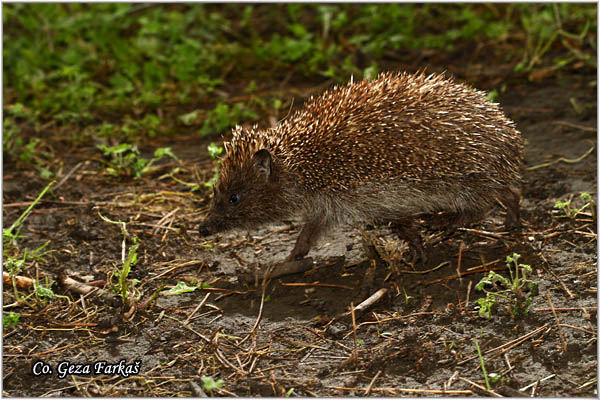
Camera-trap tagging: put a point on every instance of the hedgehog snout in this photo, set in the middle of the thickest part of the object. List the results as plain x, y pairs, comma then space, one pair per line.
203, 230
210, 226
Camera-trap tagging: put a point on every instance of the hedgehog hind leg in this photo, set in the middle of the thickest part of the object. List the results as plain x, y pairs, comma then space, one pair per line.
406, 229
511, 198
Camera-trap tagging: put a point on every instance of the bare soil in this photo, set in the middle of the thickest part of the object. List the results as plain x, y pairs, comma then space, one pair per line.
264, 339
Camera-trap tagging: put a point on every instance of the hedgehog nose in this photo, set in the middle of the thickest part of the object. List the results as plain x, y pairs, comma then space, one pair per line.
203, 230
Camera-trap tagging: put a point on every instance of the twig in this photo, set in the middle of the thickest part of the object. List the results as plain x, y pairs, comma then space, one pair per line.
484, 390
68, 175
565, 288
201, 336
171, 269
43, 353
160, 223
450, 380
354, 331
316, 284
568, 309
407, 271
594, 380
501, 235
562, 338
487, 264
368, 302
565, 160
537, 382
383, 320
578, 329
468, 294
368, 390
164, 236
507, 363
458, 263
577, 126
447, 278
393, 390
226, 363
509, 345
262, 303
187, 320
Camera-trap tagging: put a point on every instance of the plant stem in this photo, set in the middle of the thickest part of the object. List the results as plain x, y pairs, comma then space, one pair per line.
487, 383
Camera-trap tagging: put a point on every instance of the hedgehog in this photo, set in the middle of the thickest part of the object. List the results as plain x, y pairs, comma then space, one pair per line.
392, 150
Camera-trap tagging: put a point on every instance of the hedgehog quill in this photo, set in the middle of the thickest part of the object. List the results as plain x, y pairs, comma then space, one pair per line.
386, 151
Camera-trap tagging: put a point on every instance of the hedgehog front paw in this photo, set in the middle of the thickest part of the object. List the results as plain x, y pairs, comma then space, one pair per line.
296, 254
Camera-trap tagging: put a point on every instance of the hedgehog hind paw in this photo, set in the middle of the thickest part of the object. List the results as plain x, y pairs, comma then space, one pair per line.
406, 229
418, 255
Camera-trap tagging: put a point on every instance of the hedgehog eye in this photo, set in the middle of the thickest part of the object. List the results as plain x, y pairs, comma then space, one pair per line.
234, 198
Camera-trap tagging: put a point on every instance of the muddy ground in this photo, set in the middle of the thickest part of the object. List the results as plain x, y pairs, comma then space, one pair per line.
418, 339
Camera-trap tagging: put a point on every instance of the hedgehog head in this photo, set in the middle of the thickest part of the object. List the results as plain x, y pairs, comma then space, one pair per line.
248, 189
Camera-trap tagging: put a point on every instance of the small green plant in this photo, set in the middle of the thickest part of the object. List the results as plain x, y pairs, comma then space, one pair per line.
11, 319
45, 292
571, 210
14, 264
209, 384
214, 151
125, 160
223, 117
498, 378
27, 151
220, 118
517, 289
15, 260
124, 286
407, 297
122, 275
448, 346
546, 27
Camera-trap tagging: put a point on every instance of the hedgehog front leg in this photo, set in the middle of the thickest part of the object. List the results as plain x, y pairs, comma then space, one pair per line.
308, 237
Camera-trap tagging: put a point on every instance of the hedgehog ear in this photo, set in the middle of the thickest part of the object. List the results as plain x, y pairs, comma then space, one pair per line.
262, 163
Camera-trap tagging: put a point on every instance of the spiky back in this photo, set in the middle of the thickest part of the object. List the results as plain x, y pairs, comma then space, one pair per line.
396, 127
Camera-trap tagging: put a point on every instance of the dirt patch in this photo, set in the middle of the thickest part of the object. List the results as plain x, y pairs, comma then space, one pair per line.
418, 339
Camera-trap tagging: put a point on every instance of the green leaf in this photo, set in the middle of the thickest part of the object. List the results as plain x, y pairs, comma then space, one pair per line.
180, 288
209, 384
214, 150
164, 151
43, 291
189, 118
586, 197
492, 95
11, 319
